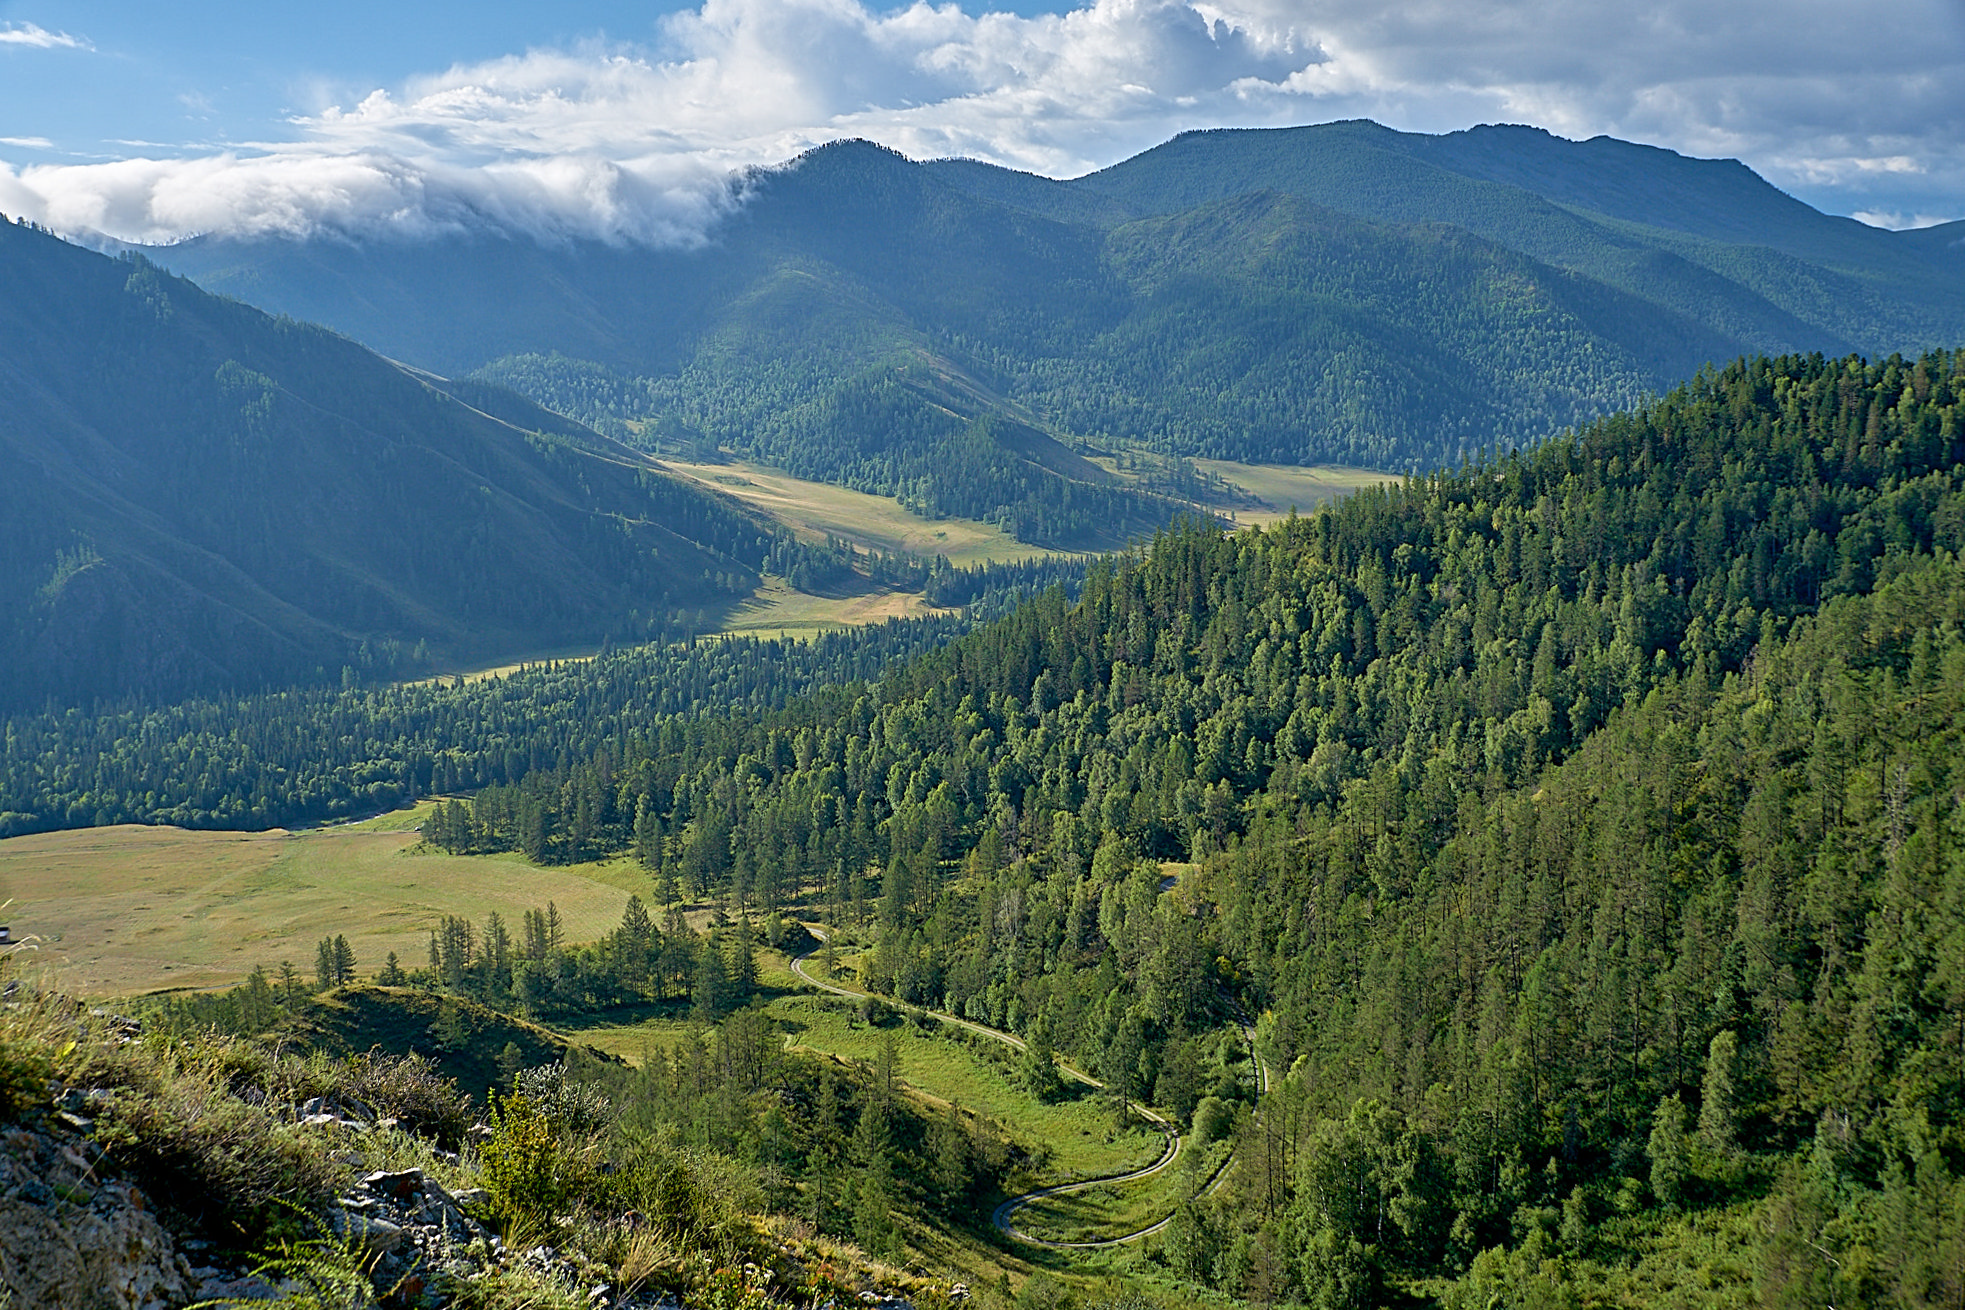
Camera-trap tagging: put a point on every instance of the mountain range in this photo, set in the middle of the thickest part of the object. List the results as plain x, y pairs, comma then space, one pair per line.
1338, 293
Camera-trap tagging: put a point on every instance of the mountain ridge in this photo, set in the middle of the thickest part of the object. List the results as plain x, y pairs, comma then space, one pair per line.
851, 264
200, 497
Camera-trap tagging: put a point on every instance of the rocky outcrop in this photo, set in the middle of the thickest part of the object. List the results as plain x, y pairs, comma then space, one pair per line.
71, 1239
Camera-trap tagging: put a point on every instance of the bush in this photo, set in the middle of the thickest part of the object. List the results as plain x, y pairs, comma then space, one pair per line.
569, 1105
409, 1090
1214, 1119
228, 1167
530, 1172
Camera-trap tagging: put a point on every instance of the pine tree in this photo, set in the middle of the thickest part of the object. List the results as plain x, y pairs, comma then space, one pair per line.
1039, 1064
1667, 1149
712, 985
743, 963
1718, 1116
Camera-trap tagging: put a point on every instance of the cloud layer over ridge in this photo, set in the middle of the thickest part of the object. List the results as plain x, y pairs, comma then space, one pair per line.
1856, 111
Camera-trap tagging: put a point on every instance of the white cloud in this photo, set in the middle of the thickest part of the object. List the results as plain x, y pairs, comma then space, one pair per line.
29, 34
1897, 222
641, 143
28, 142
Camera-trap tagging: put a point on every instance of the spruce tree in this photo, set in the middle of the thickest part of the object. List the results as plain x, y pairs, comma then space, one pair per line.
1667, 1149
1718, 1114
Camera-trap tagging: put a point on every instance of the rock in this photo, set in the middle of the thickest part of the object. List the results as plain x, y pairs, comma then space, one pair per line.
472, 1198
397, 1186
378, 1235
69, 1239
246, 1287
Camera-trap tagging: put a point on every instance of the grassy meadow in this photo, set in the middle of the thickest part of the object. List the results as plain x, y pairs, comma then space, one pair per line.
1098, 1213
817, 509
1282, 487
775, 609
941, 1061
131, 909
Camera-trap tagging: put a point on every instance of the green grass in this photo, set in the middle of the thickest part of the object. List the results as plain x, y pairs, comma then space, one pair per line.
1071, 1139
943, 1062
815, 510
398, 1020
776, 609
1104, 1212
1281, 487
133, 909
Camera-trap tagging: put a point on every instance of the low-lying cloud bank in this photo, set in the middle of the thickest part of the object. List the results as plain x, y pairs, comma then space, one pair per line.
649, 145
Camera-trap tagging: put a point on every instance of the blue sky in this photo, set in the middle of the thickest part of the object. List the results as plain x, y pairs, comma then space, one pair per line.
150, 122
187, 75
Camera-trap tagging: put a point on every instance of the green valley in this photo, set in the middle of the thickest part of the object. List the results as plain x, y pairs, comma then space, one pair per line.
1574, 832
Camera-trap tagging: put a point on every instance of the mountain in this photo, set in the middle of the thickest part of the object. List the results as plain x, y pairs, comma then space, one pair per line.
1706, 238
1340, 293
195, 496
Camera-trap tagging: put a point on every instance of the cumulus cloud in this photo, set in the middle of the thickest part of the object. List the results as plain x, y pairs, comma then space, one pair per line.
648, 143
29, 34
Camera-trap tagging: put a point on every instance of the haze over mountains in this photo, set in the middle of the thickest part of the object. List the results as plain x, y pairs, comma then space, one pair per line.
1335, 293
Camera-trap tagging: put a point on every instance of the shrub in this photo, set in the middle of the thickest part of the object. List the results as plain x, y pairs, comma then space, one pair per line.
410, 1090
569, 1105
227, 1166
530, 1172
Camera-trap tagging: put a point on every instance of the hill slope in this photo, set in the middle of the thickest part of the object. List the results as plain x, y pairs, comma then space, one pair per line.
195, 496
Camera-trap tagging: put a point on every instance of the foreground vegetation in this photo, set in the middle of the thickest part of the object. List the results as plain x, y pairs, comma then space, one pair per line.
1578, 822
1578, 830
617, 1170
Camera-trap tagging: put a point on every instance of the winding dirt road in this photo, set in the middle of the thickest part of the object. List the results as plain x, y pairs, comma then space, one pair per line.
1004, 1215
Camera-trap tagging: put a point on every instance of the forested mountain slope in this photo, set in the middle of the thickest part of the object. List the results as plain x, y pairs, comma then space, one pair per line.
914, 329
1579, 824
194, 496
1708, 239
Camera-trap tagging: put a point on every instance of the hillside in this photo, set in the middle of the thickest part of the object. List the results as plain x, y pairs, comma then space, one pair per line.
1342, 293
1575, 832
195, 496
1578, 826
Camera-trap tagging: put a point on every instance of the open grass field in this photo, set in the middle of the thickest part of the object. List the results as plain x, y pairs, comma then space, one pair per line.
942, 1062
775, 609
1104, 1212
939, 1062
131, 909
814, 509
1282, 486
